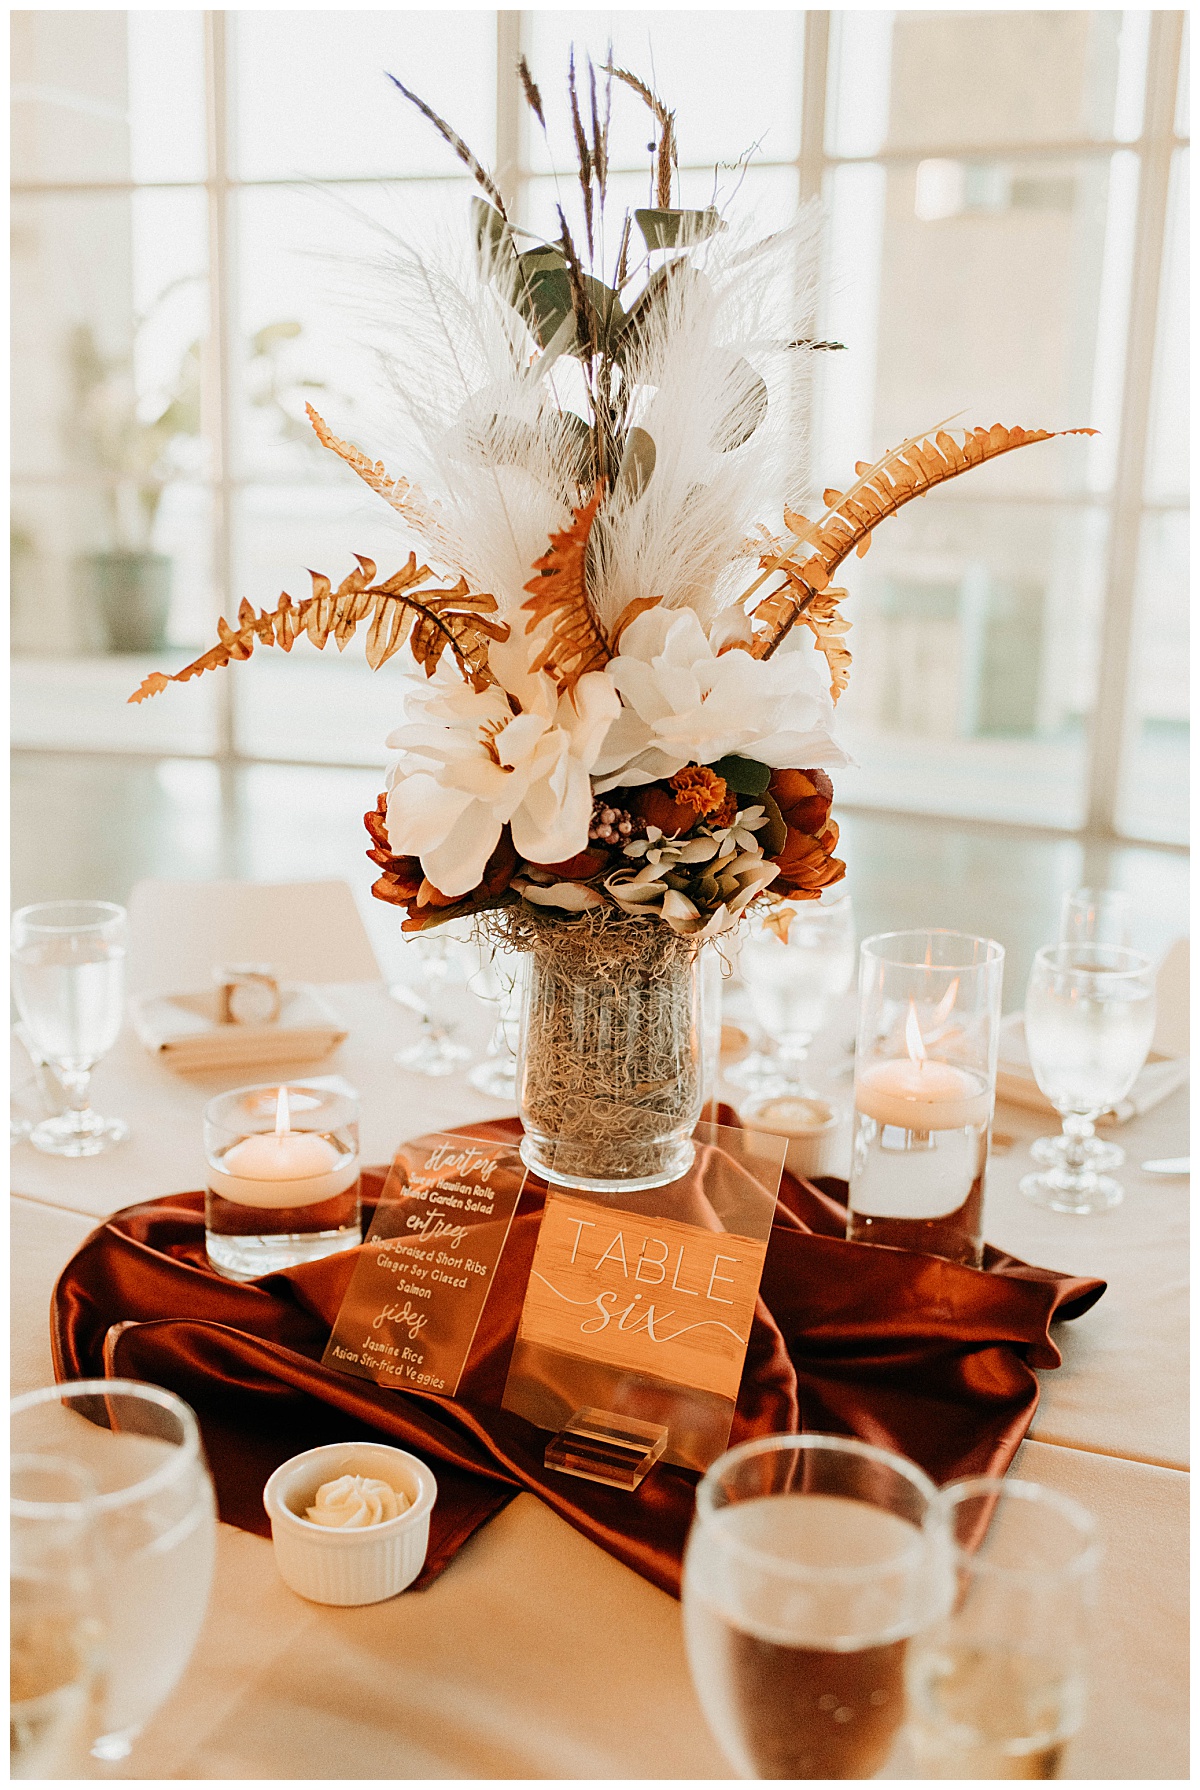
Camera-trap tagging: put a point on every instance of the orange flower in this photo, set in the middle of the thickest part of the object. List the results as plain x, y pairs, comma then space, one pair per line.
802, 797
581, 866
687, 797
806, 863
405, 884
699, 788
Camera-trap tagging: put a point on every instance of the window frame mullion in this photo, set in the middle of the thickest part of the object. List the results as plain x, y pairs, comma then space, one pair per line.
218, 391
1112, 729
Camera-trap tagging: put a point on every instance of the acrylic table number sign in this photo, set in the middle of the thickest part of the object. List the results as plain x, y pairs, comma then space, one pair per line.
423, 1275
633, 1335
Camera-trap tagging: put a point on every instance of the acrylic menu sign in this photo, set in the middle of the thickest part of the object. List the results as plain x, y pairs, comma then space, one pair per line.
423, 1274
640, 1305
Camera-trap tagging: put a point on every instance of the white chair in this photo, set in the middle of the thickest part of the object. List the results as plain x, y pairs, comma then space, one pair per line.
307, 932
1172, 1031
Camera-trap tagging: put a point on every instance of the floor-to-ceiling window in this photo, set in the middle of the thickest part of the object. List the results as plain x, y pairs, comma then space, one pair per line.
199, 200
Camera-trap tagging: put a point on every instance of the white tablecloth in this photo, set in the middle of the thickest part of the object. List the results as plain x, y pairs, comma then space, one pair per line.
536, 1654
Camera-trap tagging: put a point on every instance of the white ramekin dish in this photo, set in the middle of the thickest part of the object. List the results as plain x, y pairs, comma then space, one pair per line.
811, 1138
349, 1566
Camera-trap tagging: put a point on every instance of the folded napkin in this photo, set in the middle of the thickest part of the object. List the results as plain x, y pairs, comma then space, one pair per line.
908, 1351
1015, 1081
187, 1032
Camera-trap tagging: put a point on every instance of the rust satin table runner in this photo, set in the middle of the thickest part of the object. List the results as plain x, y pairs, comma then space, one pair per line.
907, 1351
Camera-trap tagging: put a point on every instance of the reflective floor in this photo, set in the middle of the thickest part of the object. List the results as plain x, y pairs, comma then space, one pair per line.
91, 825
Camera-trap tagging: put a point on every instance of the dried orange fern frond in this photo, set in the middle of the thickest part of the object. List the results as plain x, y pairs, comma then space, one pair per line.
903, 473
401, 494
432, 621
577, 643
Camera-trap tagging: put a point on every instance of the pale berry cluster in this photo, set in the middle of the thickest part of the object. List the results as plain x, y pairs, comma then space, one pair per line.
611, 826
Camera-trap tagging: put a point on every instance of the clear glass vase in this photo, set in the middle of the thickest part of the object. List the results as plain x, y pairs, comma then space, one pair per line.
610, 1065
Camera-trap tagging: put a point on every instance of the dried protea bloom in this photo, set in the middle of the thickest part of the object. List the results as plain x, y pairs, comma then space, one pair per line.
699, 788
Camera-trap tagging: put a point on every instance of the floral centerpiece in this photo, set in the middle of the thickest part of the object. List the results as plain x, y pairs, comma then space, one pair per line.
625, 731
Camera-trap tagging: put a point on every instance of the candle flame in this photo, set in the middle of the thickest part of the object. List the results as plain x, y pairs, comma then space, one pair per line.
913, 1038
283, 1116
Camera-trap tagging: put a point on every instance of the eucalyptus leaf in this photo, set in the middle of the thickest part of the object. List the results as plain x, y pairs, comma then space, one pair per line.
607, 305
668, 229
637, 463
744, 776
492, 233
544, 299
652, 298
747, 394
773, 837
496, 251
500, 441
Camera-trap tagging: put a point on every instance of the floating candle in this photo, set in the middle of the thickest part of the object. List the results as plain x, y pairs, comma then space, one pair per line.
918, 1093
282, 1167
922, 1096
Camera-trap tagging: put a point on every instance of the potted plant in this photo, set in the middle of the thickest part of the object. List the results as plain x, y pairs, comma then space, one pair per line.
134, 440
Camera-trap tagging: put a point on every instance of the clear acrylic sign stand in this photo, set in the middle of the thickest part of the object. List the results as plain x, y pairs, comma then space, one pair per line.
637, 1316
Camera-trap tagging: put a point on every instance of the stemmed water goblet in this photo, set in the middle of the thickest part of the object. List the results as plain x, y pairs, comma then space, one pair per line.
1089, 1019
498, 981
155, 1533
996, 1688
68, 963
440, 955
791, 982
1088, 917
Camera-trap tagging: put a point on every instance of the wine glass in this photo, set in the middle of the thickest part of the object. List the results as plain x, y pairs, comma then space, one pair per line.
69, 983
997, 1687
439, 955
1094, 917
55, 1627
1088, 917
498, 980
1089, 1019
811, 1562
792, 983
155, 1525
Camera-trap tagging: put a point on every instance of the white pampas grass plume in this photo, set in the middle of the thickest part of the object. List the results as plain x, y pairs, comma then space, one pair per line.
471, 416
727, 318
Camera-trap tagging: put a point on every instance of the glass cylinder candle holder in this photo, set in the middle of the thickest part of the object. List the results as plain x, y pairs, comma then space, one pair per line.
924, 1090
282, 1178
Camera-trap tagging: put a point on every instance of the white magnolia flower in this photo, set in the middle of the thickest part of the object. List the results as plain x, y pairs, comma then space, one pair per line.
683, 703
469, 765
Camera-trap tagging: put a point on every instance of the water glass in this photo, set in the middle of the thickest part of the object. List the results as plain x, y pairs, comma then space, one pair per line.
812, 1562
791, 983
1089, 1020
997, 1687
55, 1627
68, 961
155, 1527
1089, 917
